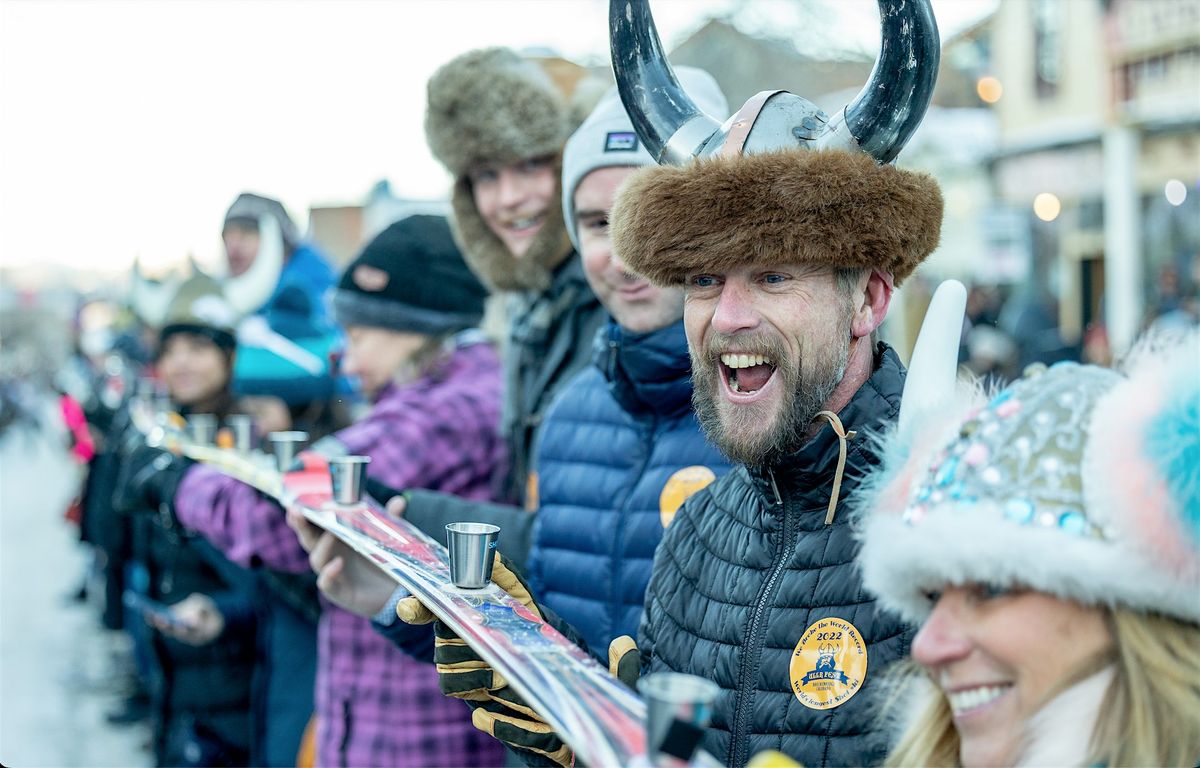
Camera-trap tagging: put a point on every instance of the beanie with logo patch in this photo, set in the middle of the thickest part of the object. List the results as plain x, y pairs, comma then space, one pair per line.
410, 278
606, 139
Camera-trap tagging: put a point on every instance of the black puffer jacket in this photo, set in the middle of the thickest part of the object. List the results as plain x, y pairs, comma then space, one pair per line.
748, 566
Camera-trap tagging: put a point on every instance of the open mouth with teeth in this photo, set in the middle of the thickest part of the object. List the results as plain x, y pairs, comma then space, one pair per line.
970, 700
526, 224
746, 374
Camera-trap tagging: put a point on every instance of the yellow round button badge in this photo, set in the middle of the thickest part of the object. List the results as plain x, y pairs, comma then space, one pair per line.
679, 487
829, 664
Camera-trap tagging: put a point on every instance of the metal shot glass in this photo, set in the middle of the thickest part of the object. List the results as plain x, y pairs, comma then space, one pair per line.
203, 427
243, 432
348, 474
674, 696
285, 444
472, 548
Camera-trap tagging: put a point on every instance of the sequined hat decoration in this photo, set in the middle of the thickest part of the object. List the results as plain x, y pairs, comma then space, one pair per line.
1075, 481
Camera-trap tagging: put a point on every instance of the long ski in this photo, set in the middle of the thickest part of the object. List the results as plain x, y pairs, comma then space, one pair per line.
593, 712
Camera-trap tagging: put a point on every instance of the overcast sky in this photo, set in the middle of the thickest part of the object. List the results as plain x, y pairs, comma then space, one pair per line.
128, 126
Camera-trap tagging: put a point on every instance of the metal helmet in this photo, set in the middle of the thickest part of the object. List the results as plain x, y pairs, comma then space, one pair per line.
879, 121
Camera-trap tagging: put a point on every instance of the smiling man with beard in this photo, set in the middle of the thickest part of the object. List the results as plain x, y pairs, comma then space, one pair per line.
787, 230
755, 394
497, 121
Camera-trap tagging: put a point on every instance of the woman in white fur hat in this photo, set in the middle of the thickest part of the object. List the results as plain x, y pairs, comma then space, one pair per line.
1047, 540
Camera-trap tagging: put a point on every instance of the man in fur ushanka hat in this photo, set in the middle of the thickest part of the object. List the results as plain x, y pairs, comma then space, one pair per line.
498, 121
787, 230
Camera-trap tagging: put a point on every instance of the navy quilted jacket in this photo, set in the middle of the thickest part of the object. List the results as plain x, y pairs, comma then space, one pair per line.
749, 573
610, 444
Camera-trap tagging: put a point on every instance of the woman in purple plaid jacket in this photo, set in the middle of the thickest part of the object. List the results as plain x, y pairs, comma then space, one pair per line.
405, 303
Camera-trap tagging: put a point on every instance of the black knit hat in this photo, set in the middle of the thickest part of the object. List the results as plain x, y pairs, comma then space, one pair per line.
412, 278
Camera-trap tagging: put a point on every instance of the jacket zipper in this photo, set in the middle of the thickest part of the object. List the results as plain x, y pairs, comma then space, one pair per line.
738, 742
616, 605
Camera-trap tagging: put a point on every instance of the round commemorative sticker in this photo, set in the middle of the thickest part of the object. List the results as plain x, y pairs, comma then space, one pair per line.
679, 487
829, 664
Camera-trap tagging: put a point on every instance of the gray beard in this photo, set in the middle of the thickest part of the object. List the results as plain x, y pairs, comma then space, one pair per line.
805, 395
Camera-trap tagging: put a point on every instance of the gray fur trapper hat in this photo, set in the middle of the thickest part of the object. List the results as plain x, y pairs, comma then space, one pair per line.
494, 107
607, 139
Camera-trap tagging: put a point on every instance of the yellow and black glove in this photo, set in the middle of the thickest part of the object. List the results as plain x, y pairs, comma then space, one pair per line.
507, 717
625, 661
462, 674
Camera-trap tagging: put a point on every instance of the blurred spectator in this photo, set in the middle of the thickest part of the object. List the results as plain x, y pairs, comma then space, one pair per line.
1175, 306
286, 341
991, 354
1030, 318
1096, 349
199, 681
986, 350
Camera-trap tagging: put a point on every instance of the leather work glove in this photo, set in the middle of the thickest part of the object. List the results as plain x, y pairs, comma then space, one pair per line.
625, 661
148, 479
508, 718
462, 674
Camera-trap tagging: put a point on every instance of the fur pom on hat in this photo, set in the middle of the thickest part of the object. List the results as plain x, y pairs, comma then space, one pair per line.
1077, 482
492, 106
816, 207
410, 278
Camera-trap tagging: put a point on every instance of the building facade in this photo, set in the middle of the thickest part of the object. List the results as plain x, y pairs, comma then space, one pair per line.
1099, 154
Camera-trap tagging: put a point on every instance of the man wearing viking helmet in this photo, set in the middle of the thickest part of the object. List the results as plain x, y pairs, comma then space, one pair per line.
787, 230
276, 283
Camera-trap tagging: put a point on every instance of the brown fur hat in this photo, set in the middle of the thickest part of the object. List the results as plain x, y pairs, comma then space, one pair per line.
493, 107
825, 207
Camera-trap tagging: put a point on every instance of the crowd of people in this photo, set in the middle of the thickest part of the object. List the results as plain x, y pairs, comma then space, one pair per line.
661, 377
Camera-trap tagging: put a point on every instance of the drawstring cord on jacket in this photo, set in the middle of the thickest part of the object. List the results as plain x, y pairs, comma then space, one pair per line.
843, 437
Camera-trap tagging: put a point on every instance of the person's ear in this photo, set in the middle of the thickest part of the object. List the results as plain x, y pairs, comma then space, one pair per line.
871, 301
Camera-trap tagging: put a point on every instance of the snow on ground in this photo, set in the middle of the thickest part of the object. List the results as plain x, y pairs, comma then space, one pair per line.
58, 665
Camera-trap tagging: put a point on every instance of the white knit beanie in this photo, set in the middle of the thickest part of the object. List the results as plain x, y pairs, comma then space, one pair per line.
607, 139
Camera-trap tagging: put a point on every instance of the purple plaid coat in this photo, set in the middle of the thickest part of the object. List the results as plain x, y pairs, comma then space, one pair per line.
376, 706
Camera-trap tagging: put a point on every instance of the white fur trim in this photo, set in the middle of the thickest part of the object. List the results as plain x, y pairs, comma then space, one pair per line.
974, 543
1061, 731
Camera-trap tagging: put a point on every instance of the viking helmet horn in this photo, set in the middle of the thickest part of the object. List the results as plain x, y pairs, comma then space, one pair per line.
248, 292
933, 370
150, 299
669, 123
886, 112
879, 121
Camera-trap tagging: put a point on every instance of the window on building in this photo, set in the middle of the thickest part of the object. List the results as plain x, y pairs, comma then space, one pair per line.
1047, 46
